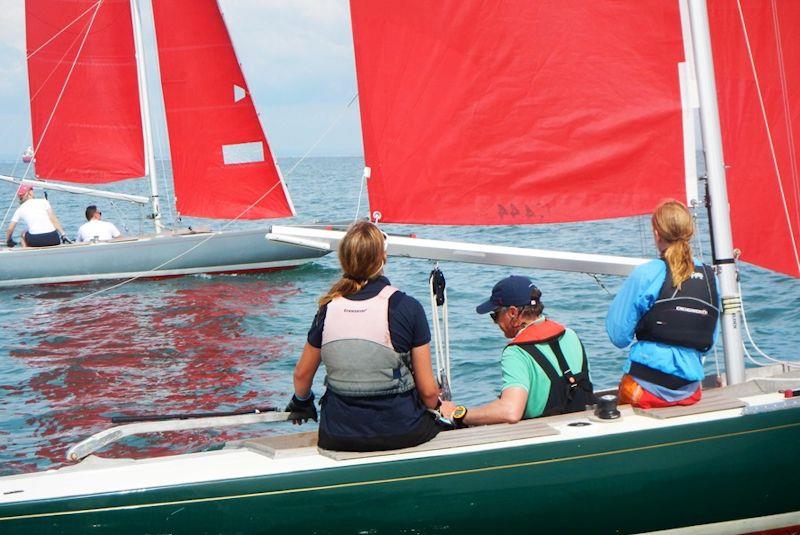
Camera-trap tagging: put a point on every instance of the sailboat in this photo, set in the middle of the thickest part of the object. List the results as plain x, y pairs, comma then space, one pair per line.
27, 156
542, 93
91, 123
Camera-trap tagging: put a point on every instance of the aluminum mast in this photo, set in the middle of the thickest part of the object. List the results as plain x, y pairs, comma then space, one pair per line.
147, 127
718, 192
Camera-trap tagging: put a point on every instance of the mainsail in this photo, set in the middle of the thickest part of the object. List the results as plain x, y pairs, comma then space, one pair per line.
756, 53
519, 112
221, 161
85, 115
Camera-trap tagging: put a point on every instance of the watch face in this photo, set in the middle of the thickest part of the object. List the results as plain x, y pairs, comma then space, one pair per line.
459, 412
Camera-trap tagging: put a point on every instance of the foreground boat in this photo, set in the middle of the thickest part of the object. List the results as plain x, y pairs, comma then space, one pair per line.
161, 255
648, 471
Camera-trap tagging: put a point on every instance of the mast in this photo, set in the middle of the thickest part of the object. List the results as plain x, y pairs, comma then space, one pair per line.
147, 127
719, 212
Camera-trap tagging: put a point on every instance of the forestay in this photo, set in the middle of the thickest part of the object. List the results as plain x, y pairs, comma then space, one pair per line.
85, 115
756, 52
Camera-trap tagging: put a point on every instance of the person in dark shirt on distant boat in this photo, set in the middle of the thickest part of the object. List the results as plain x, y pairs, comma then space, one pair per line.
671, 307
374, 341
44, 228
545, 369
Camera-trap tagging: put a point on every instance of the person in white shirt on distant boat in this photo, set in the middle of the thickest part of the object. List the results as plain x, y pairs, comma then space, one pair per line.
43, 230
95, 229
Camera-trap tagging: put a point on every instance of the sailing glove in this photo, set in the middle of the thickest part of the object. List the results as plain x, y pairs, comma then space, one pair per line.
10, 242
302, 410
64, 239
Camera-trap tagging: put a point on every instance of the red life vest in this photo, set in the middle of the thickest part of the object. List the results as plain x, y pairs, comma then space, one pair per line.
569, 392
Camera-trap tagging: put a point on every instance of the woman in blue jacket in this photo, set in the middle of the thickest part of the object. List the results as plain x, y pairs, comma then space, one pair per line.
669, 309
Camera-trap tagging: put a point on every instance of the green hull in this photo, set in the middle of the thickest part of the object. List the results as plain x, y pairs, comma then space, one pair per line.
685, 475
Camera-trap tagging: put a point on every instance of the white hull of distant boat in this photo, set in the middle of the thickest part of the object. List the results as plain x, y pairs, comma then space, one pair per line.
163, 255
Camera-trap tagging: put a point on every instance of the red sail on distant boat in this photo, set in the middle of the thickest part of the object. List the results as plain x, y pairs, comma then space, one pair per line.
760, 143
221, 161
84, 93
519, 112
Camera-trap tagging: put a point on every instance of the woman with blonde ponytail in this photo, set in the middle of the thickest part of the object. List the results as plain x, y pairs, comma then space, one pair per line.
669, 309
374, 341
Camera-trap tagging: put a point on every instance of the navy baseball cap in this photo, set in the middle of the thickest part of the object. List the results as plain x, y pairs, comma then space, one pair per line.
511, 291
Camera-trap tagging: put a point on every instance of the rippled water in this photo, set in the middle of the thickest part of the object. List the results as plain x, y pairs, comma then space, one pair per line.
206, 343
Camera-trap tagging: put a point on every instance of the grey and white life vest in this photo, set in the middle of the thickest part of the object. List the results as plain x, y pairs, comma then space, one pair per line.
357, 349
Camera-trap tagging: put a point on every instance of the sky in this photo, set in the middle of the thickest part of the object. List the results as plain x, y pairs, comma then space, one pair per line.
297, 57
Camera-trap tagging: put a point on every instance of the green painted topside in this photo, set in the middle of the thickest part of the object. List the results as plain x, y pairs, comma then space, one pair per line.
624, 483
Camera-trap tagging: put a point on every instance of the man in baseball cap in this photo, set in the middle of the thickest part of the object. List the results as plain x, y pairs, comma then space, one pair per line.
545, 370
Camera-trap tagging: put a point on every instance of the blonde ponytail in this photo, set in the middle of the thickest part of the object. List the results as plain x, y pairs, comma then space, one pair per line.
361, 254
674, 224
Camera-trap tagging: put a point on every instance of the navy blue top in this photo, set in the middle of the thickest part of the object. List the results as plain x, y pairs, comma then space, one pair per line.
378, 422
408, 325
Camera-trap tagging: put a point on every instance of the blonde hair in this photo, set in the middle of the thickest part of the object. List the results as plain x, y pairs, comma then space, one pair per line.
674, 224
361, 254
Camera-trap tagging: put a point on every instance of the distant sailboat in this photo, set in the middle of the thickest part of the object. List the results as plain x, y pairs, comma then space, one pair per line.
512, 112
90, 112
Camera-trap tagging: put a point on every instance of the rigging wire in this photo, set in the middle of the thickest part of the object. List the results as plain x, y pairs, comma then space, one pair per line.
701, 255
364, 177
786, 109
38, 144
96, 7
768, 131
205, 240
120, 217
62, 30
441, 330
323, 135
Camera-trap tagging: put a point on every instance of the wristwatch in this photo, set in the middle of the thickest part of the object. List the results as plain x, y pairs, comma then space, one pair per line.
458, 416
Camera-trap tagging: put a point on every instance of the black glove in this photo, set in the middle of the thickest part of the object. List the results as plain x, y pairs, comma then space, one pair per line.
64, 239
302, 410
10, 242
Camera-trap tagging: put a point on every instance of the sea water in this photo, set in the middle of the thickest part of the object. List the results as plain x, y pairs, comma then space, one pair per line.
224, 342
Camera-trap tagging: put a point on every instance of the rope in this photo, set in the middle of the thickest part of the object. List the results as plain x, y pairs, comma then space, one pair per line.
62, 30
769, 136
441, 332
63, 87
120, 218
55, 68
324, 134
701, 255
202, 242
753, 343
364, 177
786, 109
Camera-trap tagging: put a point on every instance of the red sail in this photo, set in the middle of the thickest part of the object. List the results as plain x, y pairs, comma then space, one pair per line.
760, 118
221, 162
489, 112
85, 116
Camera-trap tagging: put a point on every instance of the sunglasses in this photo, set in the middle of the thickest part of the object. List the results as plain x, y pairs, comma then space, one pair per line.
494, 314
385, 241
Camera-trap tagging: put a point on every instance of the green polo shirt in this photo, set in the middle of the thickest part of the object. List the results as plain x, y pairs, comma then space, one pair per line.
521, 371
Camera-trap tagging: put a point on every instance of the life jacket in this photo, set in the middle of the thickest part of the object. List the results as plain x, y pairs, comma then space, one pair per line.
357, 349
685, 317
569, 392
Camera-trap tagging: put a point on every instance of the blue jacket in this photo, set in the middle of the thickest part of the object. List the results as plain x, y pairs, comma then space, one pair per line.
636, 297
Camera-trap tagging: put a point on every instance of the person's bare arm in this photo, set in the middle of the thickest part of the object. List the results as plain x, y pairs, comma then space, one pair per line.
305, 369
508, 408
427, 388
10, 231
55, 221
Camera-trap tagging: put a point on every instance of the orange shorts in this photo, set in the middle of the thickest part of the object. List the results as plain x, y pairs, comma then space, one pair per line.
632, 392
